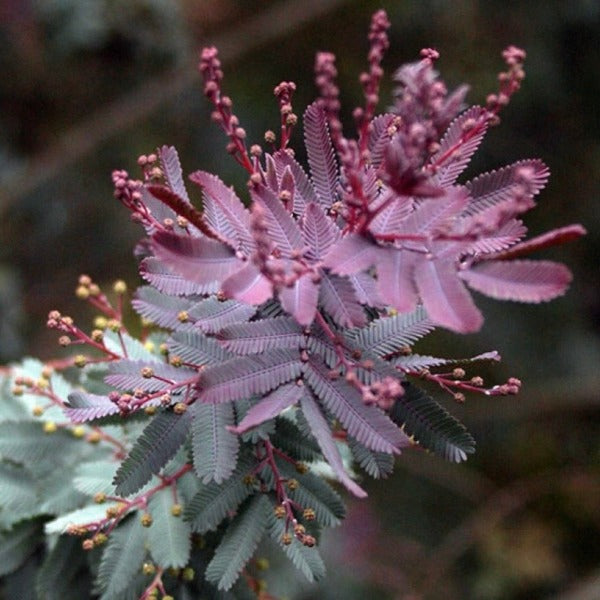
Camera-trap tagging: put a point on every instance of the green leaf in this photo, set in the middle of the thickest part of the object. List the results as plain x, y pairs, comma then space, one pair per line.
214, 448
307, 560
377, 464
215, 501
80, 516
95, 477
62, 569
122, 559
157, 444
239, 542
25, 442
17, 544
169, 538
431, 425
314, 492
58, 494
289, 438
19, 496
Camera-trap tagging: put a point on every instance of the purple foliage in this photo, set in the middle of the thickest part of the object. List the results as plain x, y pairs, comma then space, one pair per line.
311, 296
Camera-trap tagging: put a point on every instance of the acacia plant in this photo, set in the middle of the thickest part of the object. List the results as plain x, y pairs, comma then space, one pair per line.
276, 356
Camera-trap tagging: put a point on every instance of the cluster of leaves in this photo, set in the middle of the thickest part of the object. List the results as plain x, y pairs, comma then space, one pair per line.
280, 346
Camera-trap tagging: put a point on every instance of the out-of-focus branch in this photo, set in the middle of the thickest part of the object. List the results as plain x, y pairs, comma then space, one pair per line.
107, 121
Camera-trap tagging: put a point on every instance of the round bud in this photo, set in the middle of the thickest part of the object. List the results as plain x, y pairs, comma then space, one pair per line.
180, 408
50, 427
150, 410
148, 568
80, 361
37, 411
100, 498
78, 431
176, 510
146, 520
119, 287
87, 544
188, 574
82, 292
286, 539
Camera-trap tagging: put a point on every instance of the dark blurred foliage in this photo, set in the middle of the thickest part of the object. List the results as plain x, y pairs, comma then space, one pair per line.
87, 86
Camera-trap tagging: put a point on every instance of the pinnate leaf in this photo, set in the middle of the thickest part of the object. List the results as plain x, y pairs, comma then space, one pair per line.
321, 158
122, 558
321, 430
169, 538
239, 543
214, 448
269, 407
431, 426
249, 375
215, 501
157, 444
520, 280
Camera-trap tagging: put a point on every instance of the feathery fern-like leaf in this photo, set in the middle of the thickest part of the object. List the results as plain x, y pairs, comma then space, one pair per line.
431, 426
261, 335
215, 501
389, 335
307, 560
269, 407
211, 315
193, 347
161, 309
239, 543
157, 444
321, 431
122, 558
214, 448
249, 375
171, 168
376, 464
168, 281
368, 424
17, 544
84, 407
321, 157
169, 538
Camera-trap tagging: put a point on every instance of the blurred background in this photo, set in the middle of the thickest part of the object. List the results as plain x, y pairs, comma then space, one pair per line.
88, 85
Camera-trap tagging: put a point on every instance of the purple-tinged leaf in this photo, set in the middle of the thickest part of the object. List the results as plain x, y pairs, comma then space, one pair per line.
198, 259
248, 285
416, 362
182, 208
214, 447
395, 281
127, 375
171, 167
339, 300
167, 281
505, 184
161, 309
282, 228
288, 185
321, 157
367, 423
504, 237
365, 287
454, 154
88, 407
545, 240
320, 232
520, 280
194, 348
224, 212
389, 335
300, 300
159, 210
379, 137
303, 190
445, 298
269, 407
321, 431
270, 174
350, 255
389, 219
432, 216
249, 375
211, 315
265, 334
